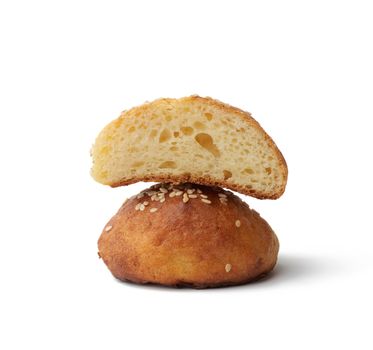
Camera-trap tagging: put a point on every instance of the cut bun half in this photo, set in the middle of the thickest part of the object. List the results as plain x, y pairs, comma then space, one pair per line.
191, 139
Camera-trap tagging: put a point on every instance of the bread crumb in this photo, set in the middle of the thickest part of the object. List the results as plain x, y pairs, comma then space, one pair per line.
108, 228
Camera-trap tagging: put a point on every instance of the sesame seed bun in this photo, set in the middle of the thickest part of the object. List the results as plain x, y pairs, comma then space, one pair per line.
188, 235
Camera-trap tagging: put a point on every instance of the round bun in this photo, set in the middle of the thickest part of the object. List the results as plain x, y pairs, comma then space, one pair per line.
188, 235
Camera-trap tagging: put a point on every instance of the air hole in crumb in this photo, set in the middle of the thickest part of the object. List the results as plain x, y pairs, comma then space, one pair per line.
270, 158
269, 171
153, 133
227, 174
174, 148
105, 150
104, 174
207, 142
186, 130
208, 116
168, 117
165, 135
248, 171
131, 129
176, 134
169, 164
199, 125
137, 164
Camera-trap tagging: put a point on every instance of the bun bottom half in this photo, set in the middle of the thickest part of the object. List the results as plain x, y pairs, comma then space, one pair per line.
188, 235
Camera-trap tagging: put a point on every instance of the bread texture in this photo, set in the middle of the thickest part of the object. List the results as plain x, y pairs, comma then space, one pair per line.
192, 139
188, 235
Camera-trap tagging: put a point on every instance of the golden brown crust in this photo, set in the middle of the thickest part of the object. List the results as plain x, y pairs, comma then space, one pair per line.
207, 180
188, 241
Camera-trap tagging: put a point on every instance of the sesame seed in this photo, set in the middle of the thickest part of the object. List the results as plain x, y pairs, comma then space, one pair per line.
142, 207
162, 200
238, 223
193, 196
185, 198
198, 190
223, 201
222, 195
205, 201
172, 194
178, 193
108, 228
139, 196
163, 190
228, 267
137, 207
146, 203
190, 191
204, 196
152, 210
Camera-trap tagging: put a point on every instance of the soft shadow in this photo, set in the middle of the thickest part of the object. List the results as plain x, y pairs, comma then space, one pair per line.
293, 269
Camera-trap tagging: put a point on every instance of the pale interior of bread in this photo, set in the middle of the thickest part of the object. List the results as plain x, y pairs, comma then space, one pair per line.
187, 137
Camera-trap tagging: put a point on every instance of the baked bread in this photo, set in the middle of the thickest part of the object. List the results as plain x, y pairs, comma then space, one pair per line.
188, 235
192, 139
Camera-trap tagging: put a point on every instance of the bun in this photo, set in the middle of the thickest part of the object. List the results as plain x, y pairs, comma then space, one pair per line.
192, 139
188, 235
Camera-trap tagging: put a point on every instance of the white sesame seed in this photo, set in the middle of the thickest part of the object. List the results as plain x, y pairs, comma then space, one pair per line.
162, 200
108, 228
163, 190
205, 201
142, 207
223, 201
140, 195
151, 193
193, 196
238, 223
222, 195
190, 191
146, 203
178, 193
204, 196
185, 198
228, 267
137, 207
152, 210
198, 190
172, 194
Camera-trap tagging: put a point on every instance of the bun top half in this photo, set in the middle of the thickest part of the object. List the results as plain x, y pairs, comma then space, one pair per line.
191, 139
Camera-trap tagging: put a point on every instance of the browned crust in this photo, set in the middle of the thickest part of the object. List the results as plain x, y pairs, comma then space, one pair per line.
206, 180
189, 244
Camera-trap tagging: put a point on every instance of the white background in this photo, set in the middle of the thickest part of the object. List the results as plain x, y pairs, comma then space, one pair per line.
304, 70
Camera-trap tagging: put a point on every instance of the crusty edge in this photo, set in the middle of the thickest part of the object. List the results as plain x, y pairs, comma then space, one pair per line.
206, 180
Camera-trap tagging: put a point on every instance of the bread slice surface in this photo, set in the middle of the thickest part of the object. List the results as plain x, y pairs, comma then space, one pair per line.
191, 139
